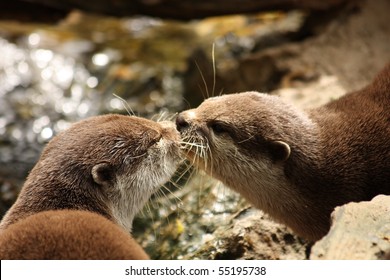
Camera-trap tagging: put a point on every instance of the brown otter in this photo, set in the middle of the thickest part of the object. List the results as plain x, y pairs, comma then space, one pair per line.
68, 234
295, 165
109, 165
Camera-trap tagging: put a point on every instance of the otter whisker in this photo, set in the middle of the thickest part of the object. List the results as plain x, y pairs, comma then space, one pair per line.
196, 157
188, 151
189, 144
204, 154
202, 91
214, 69
173, 195
183, 173
148, 210
125, 105
164, 115
204, 81
249, 138
161, 194
158, 196
174, 184
173, 116
127, 158
150, 215
211, 159
186, 164
158, 116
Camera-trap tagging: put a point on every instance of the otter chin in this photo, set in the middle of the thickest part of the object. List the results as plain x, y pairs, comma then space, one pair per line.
108, 165
295, 165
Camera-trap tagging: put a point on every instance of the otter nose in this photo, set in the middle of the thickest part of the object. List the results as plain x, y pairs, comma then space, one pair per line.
181, 123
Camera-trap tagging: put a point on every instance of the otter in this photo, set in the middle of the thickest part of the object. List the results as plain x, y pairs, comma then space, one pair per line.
295, 165
69, 235
109, 165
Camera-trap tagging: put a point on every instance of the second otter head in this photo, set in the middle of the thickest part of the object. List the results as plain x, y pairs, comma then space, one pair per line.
126, 157
246, 140
225, 129
108, 164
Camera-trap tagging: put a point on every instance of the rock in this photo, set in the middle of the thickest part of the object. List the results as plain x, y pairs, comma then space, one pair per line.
359, 231
208, 221
177, 223
250, 234
340, 50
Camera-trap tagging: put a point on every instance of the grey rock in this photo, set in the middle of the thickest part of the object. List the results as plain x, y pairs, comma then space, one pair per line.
359, 231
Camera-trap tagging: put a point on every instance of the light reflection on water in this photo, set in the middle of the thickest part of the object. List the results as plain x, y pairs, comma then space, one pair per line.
100, 59
34, 39
46, 84
41, 92
66, 72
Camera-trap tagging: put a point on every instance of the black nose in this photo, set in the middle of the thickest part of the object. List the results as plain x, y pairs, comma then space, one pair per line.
181, 123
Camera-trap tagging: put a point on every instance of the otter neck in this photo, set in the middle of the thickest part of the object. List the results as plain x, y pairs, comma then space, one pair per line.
46, 188
127, 202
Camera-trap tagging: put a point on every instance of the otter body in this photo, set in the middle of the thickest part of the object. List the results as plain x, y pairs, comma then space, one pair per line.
68, 235
108, 165
295, 165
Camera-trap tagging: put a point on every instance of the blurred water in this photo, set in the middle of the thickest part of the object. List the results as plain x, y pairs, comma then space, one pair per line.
53, 75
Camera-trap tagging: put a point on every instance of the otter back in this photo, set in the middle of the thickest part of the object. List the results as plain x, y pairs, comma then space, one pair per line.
66, 235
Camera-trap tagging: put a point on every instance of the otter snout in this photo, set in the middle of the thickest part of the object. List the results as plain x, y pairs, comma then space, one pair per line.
181, 122
186, 120
187, 123
169, 131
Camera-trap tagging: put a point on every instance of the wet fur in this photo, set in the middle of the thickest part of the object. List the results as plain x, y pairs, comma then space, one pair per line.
295, 165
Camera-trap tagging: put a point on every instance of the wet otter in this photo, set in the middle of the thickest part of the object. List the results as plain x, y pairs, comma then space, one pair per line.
295, 165
109, 165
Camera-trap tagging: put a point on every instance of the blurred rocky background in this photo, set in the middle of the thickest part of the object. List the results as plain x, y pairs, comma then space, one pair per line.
62, 61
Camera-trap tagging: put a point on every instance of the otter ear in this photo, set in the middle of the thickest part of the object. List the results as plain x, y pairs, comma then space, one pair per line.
280, 151
102, 173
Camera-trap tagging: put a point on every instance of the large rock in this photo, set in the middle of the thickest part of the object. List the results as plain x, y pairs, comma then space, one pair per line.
359, 231
341, 49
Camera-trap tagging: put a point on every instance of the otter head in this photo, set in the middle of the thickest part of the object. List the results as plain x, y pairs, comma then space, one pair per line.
245, 140
108, 164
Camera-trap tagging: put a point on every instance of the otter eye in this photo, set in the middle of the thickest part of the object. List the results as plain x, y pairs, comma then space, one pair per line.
218, 127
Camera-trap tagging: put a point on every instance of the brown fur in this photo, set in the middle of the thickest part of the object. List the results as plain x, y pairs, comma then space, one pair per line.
67, 235
109, 165
295, 165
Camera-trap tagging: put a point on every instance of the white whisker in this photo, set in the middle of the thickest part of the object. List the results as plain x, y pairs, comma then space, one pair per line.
214, 69
204, 80
125, 105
